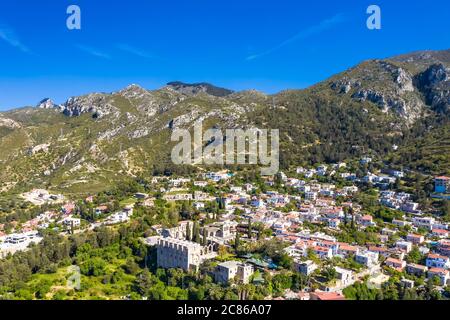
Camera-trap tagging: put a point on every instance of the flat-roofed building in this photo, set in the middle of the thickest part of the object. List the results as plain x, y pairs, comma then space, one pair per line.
306, 267
416, 269
367, 258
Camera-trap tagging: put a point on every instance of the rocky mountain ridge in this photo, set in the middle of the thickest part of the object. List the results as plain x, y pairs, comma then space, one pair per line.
91, 141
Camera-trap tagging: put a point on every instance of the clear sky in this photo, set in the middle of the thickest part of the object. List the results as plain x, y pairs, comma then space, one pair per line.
238, 44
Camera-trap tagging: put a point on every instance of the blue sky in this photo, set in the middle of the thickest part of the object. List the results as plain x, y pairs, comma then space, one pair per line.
238, 44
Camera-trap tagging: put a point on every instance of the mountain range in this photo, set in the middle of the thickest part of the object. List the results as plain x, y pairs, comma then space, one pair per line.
396, 109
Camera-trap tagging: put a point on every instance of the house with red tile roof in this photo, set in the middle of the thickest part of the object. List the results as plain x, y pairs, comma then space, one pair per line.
346, 250
326, 296
415, 238
440, 233
323, 252
328, 244
366, 221
382, 251
440, 273
444, 247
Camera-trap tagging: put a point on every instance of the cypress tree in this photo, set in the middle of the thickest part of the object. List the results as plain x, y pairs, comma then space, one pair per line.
196, 232
188, 231
352, 217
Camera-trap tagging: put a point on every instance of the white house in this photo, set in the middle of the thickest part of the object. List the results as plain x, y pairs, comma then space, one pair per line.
323, 252
424, 222
415, 238
71, 222
367, 258
441, 274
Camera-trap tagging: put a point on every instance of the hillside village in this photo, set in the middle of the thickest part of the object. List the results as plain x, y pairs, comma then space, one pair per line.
334, 228
214, 158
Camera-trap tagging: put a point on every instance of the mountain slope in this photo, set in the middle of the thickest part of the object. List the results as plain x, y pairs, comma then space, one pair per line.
92, 141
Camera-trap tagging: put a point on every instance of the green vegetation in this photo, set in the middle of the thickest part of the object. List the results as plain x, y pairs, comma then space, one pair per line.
392, 290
